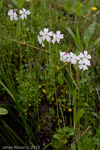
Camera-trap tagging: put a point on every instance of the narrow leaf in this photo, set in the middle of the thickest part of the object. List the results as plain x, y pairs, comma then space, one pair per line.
88, 34
20, 3
60, 79
77, 41
3, 111
7, 90
79, 114
96, 41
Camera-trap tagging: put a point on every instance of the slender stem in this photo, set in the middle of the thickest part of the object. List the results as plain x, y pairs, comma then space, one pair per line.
50, 55
74, 113
57, 105
83, 96
19, 26
20, 49
50, 15
27, 44
62, 115
78, 104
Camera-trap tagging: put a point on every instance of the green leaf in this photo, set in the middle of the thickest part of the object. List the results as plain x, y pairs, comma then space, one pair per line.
15, 2
88, 34
44, 91
96, 115
79, 114
96, 41
57, 136
73, 147
1, 3
7, 90
77, 33
20, 3
77, 41
34, 75
60, 79
83, 80
3, 111
78, 8
52, 111
67, 6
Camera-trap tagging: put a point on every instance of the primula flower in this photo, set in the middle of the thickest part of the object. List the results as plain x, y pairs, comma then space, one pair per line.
13, 15
85, 56
40, 39
46, 34
83, 64
57, 37
24, 13
63, 56
71, 58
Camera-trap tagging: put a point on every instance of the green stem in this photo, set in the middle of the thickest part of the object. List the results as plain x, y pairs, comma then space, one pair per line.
50, 55
57, 105
20, 50
78, 104
83, 97
62, 115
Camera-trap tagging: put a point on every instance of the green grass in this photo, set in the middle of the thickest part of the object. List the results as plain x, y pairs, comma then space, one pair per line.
38, 90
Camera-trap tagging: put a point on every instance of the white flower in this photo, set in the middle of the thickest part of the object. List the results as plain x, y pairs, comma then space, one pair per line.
63, 56
13, 15
57, 37
46, 34
77, 58
85, 56
40, 39
24, 13
83, 64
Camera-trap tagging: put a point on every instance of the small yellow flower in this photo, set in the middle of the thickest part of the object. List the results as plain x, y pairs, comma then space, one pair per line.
52, 98
25, 114
67, 92
57, 68
69, 109
94, 8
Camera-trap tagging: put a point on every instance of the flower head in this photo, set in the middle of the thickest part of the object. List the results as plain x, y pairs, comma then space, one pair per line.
71, 58
57, 37
13, 15
85, 56
83, 64
94, 8
63, 56
46, 34
24, 13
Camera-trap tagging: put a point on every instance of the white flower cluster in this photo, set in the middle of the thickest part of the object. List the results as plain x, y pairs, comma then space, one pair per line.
82, 59
46, 35
13, 15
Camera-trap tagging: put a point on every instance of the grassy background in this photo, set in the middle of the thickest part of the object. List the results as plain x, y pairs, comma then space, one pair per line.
44, 106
